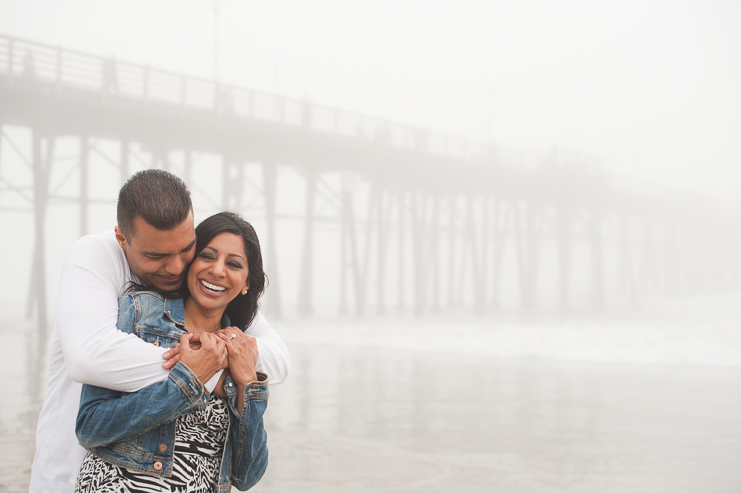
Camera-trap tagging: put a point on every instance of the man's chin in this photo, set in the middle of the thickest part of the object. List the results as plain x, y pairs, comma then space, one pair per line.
167, 287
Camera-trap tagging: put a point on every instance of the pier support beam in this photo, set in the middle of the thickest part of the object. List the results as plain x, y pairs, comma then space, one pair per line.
350, 260
402, 266
382, 222
626, 277
500, 218
476, 247
420, 262
564, 239
596, 245
43, 156
374, 211
269, 173
305, 283
452, 237
529, 222
433, 261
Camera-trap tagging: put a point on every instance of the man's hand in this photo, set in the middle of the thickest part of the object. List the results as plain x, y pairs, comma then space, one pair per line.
206, 360
173, 355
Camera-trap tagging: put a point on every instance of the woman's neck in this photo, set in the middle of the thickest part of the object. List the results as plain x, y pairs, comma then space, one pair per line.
198, 320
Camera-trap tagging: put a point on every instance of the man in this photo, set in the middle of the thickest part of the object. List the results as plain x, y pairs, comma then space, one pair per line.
152, 245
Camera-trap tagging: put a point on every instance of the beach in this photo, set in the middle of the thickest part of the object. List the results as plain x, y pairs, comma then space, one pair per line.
412, 406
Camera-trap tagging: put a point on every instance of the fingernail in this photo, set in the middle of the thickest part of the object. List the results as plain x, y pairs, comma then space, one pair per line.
166, 355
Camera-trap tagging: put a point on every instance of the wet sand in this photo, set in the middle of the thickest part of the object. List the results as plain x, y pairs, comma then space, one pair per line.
362, 419
22, 390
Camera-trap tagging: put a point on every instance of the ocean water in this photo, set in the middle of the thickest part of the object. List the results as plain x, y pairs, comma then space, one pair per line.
697, 331
620, 402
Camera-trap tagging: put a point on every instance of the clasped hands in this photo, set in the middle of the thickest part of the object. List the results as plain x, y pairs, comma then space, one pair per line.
206, 353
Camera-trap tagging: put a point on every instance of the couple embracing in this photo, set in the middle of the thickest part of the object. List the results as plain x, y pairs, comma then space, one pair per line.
117, 417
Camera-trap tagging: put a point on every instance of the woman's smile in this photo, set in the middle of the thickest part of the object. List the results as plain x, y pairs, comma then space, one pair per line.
212, 288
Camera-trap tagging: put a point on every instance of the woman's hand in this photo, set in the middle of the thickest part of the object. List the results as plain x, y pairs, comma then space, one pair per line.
242, 355
208, 359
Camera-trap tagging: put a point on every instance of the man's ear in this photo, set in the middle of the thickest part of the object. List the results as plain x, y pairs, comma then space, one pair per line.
121, 239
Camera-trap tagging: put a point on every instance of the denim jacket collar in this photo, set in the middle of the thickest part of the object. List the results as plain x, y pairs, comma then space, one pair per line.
173, 309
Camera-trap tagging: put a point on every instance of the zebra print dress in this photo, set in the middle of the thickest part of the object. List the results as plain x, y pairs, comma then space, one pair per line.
199, 445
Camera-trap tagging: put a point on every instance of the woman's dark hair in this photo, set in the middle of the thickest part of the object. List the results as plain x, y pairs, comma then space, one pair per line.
242, 309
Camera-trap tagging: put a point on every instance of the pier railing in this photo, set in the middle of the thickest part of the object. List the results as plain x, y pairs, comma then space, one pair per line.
25, 61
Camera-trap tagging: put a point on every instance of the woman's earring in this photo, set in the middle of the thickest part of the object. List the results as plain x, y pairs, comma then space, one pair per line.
245, 290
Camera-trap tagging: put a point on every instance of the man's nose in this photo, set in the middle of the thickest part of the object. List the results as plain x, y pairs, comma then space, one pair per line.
175, 266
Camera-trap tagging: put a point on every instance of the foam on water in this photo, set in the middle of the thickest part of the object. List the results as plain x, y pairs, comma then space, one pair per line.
698, 331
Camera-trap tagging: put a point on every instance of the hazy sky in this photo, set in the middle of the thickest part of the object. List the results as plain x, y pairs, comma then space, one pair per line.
651, 87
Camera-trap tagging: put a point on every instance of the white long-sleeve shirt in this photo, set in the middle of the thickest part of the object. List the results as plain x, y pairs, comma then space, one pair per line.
87, 348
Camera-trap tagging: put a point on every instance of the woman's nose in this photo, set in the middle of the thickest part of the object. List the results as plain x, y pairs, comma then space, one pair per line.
217, 268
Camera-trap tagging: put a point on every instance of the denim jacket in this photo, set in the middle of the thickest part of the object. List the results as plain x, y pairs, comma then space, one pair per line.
137, 430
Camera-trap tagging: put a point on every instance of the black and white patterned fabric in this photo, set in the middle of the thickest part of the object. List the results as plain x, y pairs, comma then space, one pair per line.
199, 445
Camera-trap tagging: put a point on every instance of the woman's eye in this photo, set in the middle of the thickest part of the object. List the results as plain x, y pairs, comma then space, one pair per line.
236, 265
207, 256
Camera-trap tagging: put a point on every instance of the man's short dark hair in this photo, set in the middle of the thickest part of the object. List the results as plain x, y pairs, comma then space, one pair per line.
157, 196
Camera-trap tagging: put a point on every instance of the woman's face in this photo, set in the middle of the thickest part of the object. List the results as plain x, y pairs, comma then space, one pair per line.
219, 273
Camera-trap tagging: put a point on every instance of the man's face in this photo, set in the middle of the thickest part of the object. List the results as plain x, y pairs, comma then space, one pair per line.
159, 258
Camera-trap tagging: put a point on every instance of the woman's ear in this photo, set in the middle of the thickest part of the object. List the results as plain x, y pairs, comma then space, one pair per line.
246, 288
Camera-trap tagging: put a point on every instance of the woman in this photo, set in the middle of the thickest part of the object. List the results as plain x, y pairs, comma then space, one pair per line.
173, 435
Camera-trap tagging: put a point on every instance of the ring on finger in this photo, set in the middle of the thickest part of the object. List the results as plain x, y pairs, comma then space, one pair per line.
233, 336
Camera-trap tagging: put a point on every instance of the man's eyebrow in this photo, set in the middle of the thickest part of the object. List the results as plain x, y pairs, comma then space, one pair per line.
161, 254
155, 254
189, 246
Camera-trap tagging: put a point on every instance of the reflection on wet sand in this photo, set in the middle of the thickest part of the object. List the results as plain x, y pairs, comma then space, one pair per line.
355, 419
363, 419
22, 389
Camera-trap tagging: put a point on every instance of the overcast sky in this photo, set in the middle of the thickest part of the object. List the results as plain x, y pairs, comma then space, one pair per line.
651, 87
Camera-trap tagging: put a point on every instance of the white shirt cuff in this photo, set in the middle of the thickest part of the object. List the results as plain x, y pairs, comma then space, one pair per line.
211, 384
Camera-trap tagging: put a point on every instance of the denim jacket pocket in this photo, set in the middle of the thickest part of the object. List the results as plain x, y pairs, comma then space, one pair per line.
142, 451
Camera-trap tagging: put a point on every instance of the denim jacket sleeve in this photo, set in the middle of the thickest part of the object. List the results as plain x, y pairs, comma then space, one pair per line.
250, 453
107, 416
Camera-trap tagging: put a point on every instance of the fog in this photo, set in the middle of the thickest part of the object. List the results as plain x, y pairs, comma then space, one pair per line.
539, 197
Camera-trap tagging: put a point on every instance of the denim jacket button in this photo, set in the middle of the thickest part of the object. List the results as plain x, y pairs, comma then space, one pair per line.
157, 466
163, 448
156, 343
